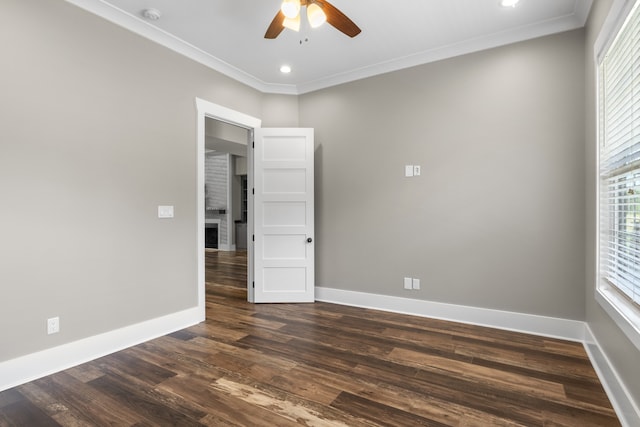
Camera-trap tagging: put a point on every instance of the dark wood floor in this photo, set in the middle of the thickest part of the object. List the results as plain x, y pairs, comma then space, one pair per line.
319, 365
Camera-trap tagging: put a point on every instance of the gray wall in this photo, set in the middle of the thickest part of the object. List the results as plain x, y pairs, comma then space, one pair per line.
97, 128
496, 218
621, 352
280, 111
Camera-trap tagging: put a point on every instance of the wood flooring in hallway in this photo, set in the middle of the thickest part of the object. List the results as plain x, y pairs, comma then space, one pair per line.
318, 365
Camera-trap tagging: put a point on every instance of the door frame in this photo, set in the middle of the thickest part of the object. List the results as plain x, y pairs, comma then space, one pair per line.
206, 109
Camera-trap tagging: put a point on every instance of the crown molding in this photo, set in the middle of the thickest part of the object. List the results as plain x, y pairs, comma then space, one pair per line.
565, 23
138, 26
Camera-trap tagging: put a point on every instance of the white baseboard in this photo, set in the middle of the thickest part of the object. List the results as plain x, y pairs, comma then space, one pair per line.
571, 330
46, 362
627, 411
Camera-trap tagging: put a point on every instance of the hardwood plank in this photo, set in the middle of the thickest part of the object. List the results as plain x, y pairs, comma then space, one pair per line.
54, 408
370, 384
308, 385
85, 372
288, 406
185, 362
25, 413
222, 409
139, 398
456, 392
506, 380
134, 367
63, 392
9, 397
380, 414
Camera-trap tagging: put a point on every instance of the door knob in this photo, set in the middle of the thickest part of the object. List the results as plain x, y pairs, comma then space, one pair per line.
309, 240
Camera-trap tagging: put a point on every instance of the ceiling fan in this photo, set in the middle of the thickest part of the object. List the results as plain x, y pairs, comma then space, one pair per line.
318, 11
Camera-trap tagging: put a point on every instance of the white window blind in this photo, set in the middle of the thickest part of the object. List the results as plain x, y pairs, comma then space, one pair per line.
620, 160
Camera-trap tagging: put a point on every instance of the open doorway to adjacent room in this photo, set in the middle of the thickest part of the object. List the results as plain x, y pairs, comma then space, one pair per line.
226, 206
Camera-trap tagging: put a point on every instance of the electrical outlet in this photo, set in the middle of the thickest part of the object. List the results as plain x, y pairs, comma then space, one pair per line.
416, 284
416, 170
53, 325
407, 283
165, 211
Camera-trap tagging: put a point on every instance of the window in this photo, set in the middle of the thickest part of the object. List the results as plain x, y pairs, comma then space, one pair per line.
619, 142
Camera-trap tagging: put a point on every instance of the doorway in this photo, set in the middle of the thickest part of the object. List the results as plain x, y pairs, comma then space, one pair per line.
225, 189
280, 170
226, 150
207, 110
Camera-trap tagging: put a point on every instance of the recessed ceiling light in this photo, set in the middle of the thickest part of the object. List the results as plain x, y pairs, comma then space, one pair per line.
285, 69
509, 3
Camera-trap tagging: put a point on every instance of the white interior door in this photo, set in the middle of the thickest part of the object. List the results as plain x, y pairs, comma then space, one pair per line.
283, 215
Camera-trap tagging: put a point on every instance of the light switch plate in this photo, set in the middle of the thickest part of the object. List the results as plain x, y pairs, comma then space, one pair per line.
165, 211
416, 284
408, 170
407, 283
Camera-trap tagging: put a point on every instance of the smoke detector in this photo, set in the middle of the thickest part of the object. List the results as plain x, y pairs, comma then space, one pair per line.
151, 14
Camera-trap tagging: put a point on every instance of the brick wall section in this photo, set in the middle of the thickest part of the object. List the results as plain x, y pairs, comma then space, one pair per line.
216, 172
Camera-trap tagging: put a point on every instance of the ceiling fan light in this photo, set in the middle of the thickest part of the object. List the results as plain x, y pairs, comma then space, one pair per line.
315, 15
292, 23
509, 3
290, 8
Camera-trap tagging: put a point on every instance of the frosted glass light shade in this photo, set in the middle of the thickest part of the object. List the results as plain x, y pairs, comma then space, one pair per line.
292, 23
509, 3
290, 8
315, 15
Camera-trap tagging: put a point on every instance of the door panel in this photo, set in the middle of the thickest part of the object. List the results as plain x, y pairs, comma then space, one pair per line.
291, 246
285, 279
285, 181
285, 214
283, 222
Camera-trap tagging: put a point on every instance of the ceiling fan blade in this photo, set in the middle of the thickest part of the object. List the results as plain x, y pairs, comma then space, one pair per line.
338, 19
276, 26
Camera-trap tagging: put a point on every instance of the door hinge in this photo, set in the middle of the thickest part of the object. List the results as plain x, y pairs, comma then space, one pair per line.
253, 284
253, 237
253, 191
253, 144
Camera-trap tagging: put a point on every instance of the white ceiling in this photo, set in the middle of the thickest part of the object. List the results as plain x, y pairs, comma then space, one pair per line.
228, 35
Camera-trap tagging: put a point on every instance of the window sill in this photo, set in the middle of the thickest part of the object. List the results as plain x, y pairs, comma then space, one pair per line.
623, 313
